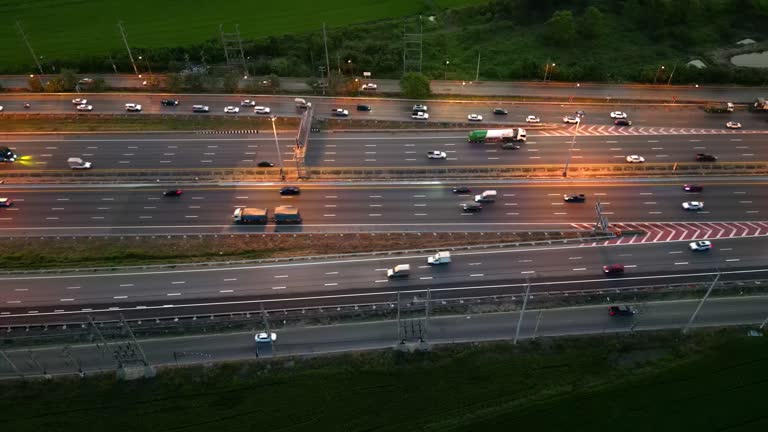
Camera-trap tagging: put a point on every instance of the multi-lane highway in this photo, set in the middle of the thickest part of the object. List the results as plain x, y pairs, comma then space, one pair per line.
63, 210
383, 334
559, 269
126, 152
382, 109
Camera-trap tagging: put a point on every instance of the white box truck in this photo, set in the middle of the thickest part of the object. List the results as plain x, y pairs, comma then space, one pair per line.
486, 197
400, 270
439, 258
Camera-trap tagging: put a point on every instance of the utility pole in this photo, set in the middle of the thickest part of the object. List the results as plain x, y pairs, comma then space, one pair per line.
99, 335
135, 342
114, 66
400, 334
13, 366
327, 61
127, 47
477, 71
31, 51
539, 317
701, 303
266, 325
425, 333
522, 311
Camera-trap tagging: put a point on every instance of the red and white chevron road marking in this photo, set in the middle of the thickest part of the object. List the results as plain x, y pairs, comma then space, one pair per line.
678, 231
643, 130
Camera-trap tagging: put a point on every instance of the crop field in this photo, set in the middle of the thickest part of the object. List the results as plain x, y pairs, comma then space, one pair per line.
710, 381
77, 28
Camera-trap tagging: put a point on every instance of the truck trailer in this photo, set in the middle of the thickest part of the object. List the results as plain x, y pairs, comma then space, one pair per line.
724, 107
497, 135
287, 215
250, 215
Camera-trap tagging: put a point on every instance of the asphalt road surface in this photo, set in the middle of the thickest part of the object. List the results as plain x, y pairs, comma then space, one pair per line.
63, 210
58, 360
383, 109
169, 152
563, 268
495, 88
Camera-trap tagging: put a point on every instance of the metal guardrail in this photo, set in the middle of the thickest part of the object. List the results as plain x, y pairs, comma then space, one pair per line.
308, 257
286, 317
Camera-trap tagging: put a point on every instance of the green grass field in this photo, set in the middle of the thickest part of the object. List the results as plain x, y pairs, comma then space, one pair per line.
79, 28
708, 382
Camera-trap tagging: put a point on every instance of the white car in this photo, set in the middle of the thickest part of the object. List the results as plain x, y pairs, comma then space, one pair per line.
340, 112
700, 245
1, 108
420, 116
261, 110
265, 337
693, 205
733, 125
84, 107
571, 119
532, 119
475, 117
79, 101
231, 109
370, 86
420, 108
132, 107
437, 154
248, 102
618, 115
200, 108
635, 159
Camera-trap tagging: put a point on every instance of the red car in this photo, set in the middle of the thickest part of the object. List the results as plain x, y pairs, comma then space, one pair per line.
613, 269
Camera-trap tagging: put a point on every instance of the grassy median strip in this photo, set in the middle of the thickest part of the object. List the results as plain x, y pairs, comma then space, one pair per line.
709, 381
77, 252
85, 123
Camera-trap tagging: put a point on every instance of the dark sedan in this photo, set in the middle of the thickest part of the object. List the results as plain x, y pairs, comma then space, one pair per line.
290, 190
173, 193
574, 198
266, 164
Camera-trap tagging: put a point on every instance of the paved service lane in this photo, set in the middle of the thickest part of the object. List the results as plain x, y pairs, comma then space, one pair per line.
392, 208
553, 89
383, 334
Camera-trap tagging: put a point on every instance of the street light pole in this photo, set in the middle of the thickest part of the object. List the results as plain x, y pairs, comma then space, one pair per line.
655, 77
277, 147
573, 143
547, 69
445, 70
